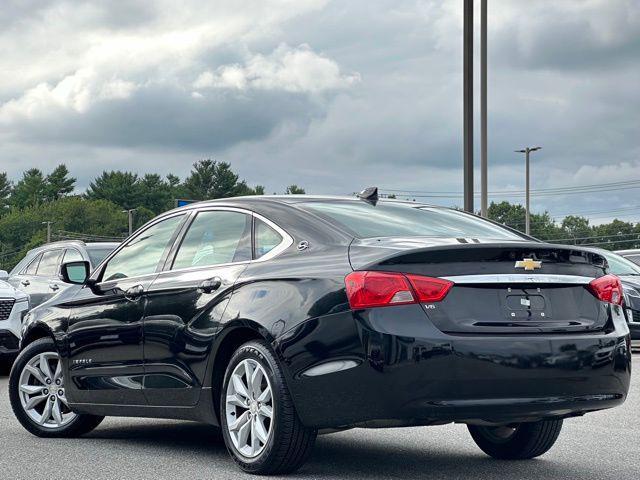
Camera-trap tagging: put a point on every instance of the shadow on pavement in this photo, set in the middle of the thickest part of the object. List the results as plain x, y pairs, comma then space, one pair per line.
341, 457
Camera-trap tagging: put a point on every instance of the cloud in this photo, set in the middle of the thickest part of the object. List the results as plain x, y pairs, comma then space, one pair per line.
289, 69
326, 94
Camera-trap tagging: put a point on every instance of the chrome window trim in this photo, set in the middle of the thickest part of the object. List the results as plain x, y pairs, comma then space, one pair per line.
519, 278
287, 241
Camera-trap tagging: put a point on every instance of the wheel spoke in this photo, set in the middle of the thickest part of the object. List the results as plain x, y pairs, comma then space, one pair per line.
266, 411
33, 401
265, 396
259, 430
37, 374
248, 373
31, 389
63, 399
243, 433
56, 412
256, 381
240, 422
239, 386
58, 373
46, 413
234, 399
44, 367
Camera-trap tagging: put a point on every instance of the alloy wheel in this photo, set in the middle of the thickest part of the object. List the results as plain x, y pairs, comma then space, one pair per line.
249, 408
42, 393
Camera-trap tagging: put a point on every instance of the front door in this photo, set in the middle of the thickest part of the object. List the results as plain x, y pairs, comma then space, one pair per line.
105, 359
186, 301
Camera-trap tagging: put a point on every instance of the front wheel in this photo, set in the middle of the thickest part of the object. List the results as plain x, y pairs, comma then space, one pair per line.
519, 441
260, 426
37, 394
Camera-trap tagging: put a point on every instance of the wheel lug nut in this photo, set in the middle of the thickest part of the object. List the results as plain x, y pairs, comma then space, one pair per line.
60, 393
45, 391
57, 382
52, 398
48, 381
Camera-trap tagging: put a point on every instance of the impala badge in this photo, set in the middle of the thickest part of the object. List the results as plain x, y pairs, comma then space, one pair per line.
528, 264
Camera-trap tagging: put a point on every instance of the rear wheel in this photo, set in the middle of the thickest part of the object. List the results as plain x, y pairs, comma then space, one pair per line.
519, 441
37, 394
260, 426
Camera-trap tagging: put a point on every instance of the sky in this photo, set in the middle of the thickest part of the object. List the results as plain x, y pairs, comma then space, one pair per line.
329, 95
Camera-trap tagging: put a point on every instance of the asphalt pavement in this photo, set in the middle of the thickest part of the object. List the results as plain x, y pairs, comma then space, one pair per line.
602, 445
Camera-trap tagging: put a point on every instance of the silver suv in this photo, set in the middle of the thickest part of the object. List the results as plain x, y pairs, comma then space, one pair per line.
38, 273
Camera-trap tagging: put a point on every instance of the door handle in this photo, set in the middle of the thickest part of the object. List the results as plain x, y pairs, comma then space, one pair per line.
53, 286
25, 282
134, 293
210, 285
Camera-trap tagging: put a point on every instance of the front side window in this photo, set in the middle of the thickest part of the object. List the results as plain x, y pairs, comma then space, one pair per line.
214, 238
141, 255
387, 219
266, 238
49, 263
72, 255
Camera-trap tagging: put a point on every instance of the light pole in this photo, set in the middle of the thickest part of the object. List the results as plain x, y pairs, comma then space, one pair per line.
467, 101
130, 214
48, 224
526, 152
483, 109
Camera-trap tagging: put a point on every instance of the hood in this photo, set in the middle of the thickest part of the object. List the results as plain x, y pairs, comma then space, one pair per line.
7, 291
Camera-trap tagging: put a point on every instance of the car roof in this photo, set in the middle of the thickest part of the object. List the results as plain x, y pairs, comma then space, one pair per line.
628, 251
256, 200
74, 243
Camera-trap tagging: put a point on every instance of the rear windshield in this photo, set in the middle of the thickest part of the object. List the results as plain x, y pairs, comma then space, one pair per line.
96, 255
402, 220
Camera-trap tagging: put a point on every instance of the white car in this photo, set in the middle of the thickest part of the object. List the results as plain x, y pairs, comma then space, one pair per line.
14, 304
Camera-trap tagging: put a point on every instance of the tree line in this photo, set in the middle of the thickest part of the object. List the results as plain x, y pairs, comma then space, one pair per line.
99, 212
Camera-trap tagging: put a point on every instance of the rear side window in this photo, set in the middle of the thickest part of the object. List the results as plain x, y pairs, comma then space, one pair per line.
33, 266
49, 263
402, 220
214, 238
142, 254
266, 238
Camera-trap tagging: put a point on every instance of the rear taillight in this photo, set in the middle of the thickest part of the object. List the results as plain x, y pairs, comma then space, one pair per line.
607, 288
367, 289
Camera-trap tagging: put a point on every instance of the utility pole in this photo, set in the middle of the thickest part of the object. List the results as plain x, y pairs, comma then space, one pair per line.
527, 151
130, 214
467, 87
483, 110
48, 224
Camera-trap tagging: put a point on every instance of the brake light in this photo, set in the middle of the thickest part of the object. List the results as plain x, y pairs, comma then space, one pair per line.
367, 289
607, 288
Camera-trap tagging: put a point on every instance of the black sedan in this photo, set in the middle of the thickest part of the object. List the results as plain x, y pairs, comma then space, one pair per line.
276, 318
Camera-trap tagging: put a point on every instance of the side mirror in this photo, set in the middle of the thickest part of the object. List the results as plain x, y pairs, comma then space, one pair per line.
4, 275
75, 273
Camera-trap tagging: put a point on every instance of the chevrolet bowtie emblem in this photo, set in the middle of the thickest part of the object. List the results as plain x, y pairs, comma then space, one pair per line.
528, 264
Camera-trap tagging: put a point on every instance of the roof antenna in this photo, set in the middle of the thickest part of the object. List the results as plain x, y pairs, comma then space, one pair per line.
369, 195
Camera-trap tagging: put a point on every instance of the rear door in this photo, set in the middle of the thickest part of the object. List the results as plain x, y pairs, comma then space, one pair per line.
104, 333
186, 301
44, 284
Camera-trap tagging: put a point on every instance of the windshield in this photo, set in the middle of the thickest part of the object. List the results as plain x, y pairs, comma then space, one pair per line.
402, 220
96, 255
619, 265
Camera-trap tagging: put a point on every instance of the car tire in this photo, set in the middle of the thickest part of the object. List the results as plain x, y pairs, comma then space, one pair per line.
517, 442
282, 442
25, 388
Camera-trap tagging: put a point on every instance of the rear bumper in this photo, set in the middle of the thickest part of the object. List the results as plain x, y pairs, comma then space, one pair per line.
400, 370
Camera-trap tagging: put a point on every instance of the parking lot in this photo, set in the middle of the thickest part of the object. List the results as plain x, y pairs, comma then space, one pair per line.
602, 445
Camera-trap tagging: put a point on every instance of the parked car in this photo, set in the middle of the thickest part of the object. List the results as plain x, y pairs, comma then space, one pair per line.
633, 255
629, 273
38, 273
14, 305
276, 317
